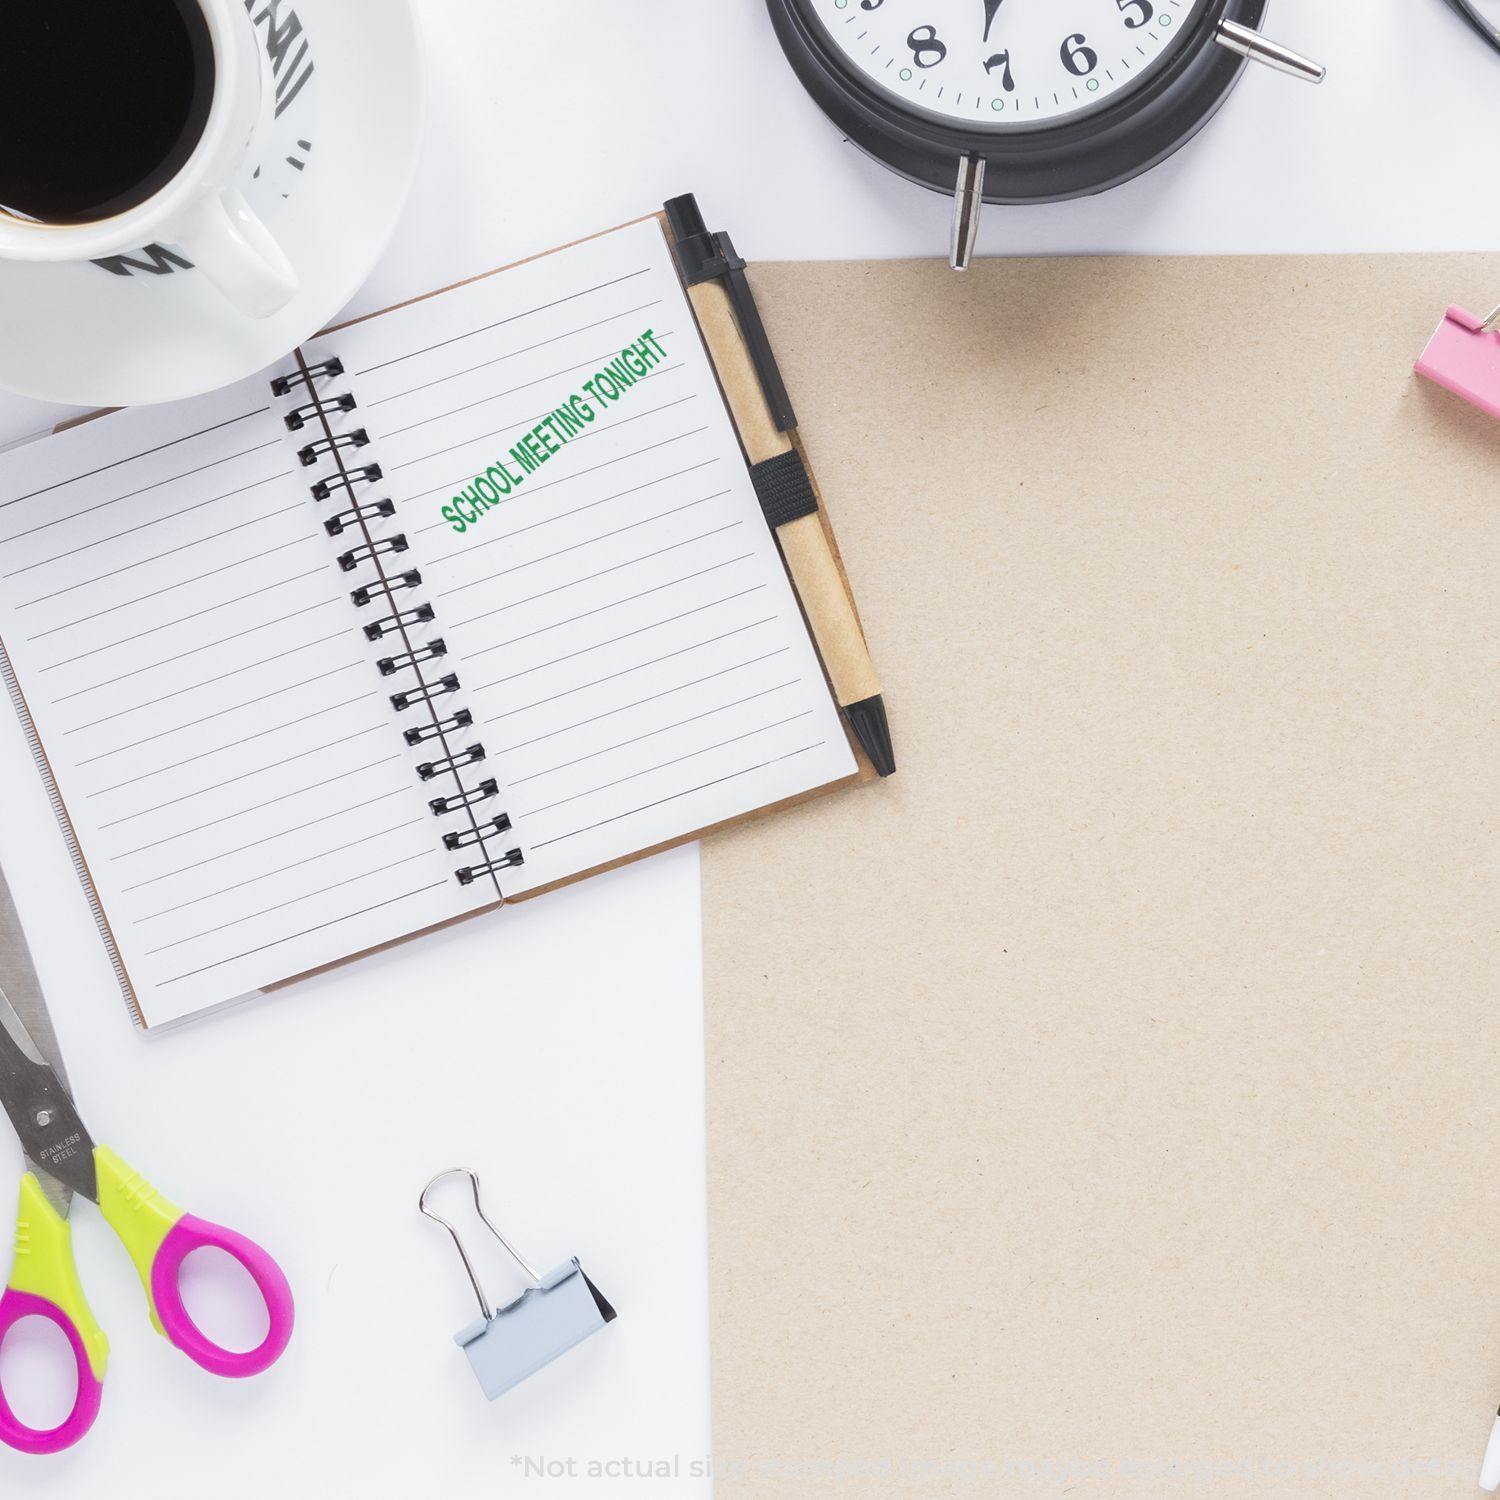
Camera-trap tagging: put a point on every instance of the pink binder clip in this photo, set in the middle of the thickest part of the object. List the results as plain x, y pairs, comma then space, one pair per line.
1464, 356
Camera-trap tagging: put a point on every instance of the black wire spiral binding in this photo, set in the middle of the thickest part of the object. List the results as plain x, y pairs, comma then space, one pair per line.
411, 579
465, 840
379, 511
346, 480
390, 665
427, 693
297, 420
369, 551
465, 757
316, 411
463, 719
312, 452
421, 615
283, 385
469, 798
507, 861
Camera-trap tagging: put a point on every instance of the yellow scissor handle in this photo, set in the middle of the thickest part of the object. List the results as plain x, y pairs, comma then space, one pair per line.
44, 1284
139, 1215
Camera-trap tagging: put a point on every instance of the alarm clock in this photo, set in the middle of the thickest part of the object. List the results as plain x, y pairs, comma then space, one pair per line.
1023, 101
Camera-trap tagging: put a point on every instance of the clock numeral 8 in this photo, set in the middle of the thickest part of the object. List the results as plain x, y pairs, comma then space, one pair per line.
926, 50
1078, 57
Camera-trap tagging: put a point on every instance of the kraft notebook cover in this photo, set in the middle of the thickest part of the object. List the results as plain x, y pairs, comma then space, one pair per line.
466, 600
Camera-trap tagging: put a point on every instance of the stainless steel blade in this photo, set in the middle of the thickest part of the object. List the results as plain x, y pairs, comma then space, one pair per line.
19, 982
33, 1082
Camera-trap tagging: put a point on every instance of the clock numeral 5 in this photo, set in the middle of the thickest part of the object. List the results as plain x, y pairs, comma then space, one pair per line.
1077, 56
876, 4
1137, 13
926, 50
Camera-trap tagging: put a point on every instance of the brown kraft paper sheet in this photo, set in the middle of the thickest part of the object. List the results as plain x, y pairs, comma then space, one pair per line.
1106, 1105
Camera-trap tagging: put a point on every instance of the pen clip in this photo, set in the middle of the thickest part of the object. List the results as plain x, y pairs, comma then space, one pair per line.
702, 256
737, 286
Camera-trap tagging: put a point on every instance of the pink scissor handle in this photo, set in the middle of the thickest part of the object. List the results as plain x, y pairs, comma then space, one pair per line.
190, 1234
14, 1306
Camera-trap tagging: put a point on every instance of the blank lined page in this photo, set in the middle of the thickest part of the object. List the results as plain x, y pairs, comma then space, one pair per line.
624, 628
188, 652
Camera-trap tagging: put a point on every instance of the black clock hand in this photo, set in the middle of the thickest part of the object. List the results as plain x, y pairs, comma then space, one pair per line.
991, 10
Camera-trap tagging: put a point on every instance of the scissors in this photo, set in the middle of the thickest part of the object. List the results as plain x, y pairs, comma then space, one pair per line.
1472, 12
61, 1160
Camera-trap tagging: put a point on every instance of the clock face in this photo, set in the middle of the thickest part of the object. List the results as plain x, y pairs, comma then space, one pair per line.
1006, 64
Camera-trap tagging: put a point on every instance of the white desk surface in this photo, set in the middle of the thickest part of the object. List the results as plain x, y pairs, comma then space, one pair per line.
558, 1047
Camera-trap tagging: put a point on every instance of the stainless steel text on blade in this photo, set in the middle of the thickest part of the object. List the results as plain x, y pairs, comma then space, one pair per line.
18, 980
53, 1137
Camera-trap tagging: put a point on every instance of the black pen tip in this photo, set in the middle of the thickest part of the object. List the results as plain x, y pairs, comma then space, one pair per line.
873, 731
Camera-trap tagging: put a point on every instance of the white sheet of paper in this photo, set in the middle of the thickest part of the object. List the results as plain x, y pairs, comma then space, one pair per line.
556, 1047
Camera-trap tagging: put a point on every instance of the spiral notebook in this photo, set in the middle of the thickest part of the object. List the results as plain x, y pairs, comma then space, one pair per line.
470, 599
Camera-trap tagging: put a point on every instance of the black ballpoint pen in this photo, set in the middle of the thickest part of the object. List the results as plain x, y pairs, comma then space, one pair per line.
741, 353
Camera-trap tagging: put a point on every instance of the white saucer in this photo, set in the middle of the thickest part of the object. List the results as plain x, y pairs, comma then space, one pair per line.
351, 80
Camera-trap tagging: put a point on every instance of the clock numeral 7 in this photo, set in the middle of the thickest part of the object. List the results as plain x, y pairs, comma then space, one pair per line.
1007, 78
926, 50
1077, 56
1137, 13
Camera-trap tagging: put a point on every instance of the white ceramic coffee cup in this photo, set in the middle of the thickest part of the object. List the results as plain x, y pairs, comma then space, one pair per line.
200, 210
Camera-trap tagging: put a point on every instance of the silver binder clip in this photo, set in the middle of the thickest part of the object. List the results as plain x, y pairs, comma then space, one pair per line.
554, 1313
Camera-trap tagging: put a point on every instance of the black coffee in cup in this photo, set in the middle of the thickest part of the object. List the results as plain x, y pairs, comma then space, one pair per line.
101, 103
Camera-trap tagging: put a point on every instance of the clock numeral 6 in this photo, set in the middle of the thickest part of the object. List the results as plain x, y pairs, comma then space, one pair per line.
1078, 57
1137, 13
926, 50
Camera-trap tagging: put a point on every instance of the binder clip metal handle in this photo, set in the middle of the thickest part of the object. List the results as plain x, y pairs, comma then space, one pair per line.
554, 1313
452, 1229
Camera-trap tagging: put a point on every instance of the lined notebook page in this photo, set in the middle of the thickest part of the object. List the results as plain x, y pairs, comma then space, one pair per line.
224, 747
624, 629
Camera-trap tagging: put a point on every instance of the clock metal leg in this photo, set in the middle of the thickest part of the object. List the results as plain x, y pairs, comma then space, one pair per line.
968, 201
1250, 43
